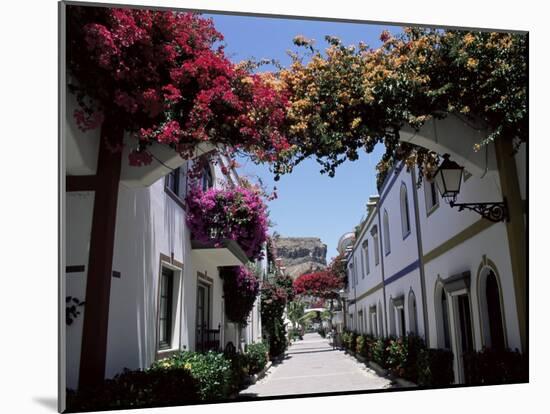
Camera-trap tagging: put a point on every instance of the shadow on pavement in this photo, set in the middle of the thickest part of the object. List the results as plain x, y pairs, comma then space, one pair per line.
312, 352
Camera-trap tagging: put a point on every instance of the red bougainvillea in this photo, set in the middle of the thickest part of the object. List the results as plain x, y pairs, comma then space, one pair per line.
164, 77
322, 284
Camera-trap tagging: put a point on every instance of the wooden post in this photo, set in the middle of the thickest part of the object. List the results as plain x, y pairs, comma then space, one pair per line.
515, 228
93, 352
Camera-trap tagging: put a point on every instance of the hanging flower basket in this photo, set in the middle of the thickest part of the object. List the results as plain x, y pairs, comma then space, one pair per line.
217, 215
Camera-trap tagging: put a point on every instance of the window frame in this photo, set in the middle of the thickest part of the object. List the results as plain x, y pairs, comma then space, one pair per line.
169, 319
365, 249
176, 192
386, 228
405, 213
376, 241
207, 175
430, 191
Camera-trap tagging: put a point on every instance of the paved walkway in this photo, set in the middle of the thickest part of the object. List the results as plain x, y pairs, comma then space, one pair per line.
312, 366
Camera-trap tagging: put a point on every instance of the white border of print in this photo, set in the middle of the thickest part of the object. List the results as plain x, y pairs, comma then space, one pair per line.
29, 207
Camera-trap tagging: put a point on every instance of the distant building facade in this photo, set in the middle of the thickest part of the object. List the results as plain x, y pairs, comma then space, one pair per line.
419, 266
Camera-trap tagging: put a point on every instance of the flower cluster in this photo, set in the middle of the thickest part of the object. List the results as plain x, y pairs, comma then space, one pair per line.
348, 98
240, 289
337, 267
274, 300
235, 213
321, 284
163, 77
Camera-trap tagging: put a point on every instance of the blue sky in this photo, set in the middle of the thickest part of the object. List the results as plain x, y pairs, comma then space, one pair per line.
309, 204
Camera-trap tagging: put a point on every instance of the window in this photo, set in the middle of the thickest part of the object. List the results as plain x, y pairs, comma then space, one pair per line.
362, 265
366, 255
173, 181
401, 314
386, 225
206, 178
405, 220
165, 308
203, 315
431, 197
373, 321
374, 233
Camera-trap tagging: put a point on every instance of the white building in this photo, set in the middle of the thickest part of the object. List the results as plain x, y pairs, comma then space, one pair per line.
419, 266
165, 290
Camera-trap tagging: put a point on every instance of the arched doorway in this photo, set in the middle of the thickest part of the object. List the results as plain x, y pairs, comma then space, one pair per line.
490, 305
413, 324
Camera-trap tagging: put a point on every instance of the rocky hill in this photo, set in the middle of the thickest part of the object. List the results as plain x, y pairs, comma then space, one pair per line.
301, 254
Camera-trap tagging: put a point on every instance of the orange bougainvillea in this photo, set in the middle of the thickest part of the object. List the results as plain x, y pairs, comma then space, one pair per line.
349, 98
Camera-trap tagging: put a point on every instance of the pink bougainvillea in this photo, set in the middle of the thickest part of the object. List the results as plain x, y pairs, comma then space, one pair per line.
236, 214
164, 77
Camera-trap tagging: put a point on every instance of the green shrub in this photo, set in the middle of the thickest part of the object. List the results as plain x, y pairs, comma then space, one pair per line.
212, 370
138, 389
295, 334
370, 344
402, 356
349, 339
495, 366
361, 346
277, 340
240, 369
322, 332
257, 356
380, 351
435, 367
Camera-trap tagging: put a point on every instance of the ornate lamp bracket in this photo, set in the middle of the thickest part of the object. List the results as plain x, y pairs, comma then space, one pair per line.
494, 212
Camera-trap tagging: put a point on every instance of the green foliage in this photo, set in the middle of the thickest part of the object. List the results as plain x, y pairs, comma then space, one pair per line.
362, 345
212, 371
495, 366
72, 311
138, 389
295, 311
380, 351
435, 367
402, 356
407, 357
257, 356
275, 294
240, 369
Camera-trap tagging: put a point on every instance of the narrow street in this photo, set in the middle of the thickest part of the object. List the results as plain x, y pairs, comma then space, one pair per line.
313, 366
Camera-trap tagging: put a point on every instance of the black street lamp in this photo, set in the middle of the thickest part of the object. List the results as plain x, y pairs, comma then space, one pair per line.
448, 178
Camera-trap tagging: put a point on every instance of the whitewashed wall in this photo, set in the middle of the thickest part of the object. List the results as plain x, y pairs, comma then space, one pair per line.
445, 222
404, 251
78, 228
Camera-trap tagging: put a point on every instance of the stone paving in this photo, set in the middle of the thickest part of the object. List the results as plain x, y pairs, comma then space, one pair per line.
313, 366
